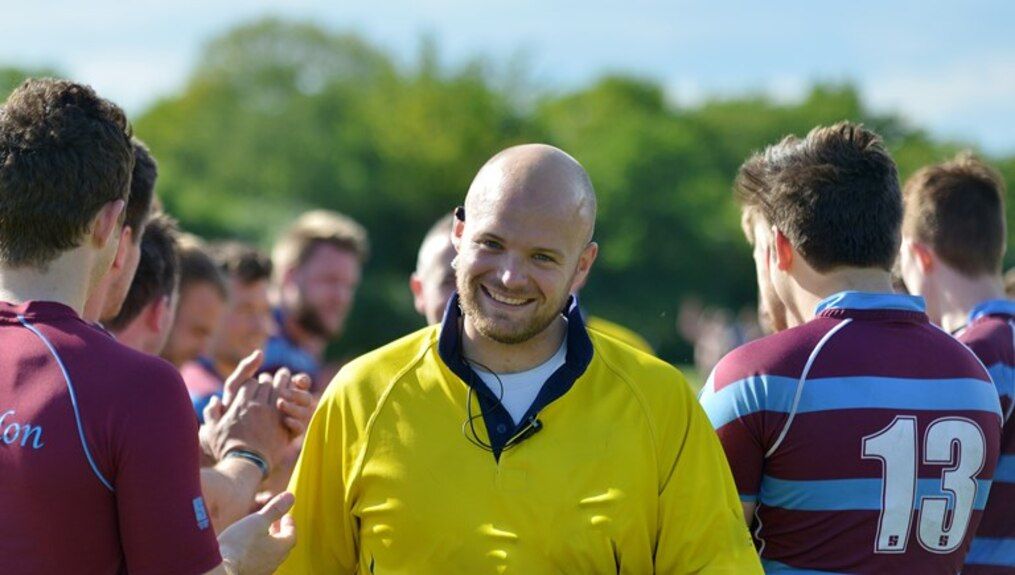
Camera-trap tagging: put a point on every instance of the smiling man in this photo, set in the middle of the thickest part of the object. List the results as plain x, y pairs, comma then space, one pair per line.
509, 438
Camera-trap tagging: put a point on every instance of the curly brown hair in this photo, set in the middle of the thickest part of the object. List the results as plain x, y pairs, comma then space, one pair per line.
64, 153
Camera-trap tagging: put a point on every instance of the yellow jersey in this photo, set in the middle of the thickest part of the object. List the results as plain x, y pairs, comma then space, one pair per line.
625, 474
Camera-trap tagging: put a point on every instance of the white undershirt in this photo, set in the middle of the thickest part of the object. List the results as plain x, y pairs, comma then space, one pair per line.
521, 389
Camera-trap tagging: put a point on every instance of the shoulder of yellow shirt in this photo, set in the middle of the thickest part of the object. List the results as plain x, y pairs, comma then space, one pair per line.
619, 332
364, 382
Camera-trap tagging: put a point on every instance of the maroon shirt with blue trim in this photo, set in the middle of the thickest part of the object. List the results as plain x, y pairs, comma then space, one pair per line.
98, 454
867, 438
991, 335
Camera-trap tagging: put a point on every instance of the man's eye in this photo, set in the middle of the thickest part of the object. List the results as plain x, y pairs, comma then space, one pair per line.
544, 258
493, 245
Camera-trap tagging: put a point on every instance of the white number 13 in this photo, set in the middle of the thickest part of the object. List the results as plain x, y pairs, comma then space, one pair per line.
955, 442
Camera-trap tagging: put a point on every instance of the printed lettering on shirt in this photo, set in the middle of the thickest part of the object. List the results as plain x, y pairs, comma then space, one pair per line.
13, 432
203, 521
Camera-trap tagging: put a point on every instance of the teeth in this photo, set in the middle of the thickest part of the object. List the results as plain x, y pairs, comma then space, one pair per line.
507, 300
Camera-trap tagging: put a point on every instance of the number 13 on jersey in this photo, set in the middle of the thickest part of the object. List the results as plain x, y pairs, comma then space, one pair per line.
957, 445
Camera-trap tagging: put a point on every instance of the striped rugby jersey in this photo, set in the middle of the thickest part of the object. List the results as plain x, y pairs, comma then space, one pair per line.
867, 437
991, 335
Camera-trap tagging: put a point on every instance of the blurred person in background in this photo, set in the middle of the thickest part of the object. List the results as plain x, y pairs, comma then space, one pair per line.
104, 440
244, 325
146, 315
860, 390
433, 282
105, 303
317, 263
953, 243
144, 323
204, 295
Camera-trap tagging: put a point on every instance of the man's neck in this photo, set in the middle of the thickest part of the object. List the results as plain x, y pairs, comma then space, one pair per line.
96, 302
814, 288
512, 357
959, 294
66, 280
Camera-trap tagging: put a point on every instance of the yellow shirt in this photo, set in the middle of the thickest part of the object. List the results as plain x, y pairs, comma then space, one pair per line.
619, 332
625, 476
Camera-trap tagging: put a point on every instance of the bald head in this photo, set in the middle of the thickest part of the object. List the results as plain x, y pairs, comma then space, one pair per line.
541, 177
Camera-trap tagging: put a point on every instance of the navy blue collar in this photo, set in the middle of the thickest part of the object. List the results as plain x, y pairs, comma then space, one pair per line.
500, 427
992, 307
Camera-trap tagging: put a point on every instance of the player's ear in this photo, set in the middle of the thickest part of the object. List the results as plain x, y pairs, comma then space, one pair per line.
923, 255
782, 250
457, 229
416, 287
106, 223
156, 314
126, 239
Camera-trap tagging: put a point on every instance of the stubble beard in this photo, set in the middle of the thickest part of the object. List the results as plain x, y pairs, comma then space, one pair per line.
489, 327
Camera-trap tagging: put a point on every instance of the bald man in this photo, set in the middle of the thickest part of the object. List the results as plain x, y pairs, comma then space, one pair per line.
510, 439
433, 282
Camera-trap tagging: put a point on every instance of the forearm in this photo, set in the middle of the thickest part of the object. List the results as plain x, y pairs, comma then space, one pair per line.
229, 490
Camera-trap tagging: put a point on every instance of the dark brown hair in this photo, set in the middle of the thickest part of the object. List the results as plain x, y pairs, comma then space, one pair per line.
158, 270
957, 208
142, 189
834, 194
241, 261
197, 266
64, 153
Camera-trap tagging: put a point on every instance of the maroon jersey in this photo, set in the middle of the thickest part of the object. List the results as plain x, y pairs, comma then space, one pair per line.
867, 438
98, 454
991, 335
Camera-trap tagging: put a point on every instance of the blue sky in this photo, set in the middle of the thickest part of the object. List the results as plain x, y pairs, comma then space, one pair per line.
946, 66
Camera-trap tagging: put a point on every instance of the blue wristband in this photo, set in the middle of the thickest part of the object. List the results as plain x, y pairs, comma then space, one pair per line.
252, 457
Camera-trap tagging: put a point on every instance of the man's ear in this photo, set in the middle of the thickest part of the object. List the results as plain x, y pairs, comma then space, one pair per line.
105, 223
126, 238
782, 250
585, 261
457, 229
416, 287
923, 255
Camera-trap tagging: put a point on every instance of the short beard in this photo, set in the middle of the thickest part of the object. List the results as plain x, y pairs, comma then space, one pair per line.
488, 328
310, 321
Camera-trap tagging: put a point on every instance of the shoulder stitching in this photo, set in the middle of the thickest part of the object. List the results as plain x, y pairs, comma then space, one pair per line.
357, 465
73, 400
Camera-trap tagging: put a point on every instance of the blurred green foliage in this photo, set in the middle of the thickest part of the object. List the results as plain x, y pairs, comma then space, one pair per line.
279, 117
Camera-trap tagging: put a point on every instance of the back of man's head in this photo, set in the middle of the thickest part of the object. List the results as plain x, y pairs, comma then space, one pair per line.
158, 271
957, 209
142, 189
64, 154
834, 195
315, 228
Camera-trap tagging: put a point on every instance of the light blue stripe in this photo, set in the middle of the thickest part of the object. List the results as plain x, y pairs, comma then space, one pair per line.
73, 401
1005, 472
775, 567
991, 551
992, 307
776, 393
870, 300
848, 494
1002, 376
747, 396
748, 498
